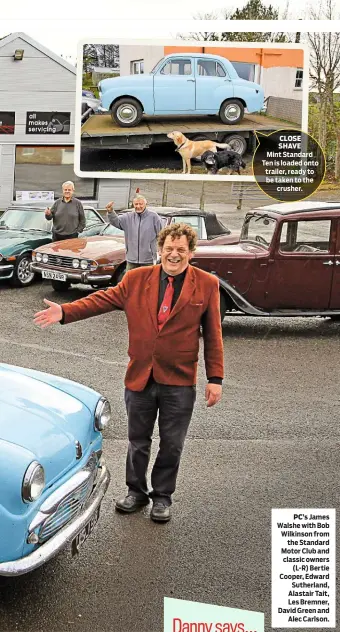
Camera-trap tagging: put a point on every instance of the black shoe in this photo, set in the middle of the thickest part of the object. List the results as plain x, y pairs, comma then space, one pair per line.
129, 504
160, 512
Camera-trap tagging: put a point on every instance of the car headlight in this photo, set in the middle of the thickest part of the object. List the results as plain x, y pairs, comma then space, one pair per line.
84, 264
45, 258
39, 256
33, 482
102, 414
75, 263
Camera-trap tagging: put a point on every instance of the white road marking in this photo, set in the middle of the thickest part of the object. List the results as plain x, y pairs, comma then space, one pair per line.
61, 352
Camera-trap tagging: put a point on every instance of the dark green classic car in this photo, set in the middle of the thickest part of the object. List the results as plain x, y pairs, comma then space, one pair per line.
23, 229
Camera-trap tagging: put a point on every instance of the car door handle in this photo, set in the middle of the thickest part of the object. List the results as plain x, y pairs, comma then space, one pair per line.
337, 263
328, 263
191, 80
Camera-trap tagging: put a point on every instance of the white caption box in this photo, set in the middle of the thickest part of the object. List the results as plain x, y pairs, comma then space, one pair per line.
303, 568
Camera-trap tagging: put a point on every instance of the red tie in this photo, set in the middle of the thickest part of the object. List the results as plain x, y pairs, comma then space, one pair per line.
164, 310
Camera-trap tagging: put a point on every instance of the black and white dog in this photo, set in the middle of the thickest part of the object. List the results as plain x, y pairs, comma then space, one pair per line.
226, 158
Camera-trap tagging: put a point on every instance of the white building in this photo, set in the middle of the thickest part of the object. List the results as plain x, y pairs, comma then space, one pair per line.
37, 121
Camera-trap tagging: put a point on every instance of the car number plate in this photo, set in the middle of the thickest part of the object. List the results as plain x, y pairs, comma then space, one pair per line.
82, 536
57, 276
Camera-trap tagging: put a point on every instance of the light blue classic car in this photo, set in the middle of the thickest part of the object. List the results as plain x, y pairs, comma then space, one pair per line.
52, 475
181, 83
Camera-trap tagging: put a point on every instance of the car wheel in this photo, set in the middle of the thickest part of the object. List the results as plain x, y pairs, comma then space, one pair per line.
223, 306
127, 112
22, 274
60, 286
237, 143
231, 112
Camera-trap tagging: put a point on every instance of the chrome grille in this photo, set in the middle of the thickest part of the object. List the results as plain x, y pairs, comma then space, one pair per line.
67, 509
63, 262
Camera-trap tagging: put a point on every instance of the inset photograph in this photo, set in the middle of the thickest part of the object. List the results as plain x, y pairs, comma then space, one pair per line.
185, 110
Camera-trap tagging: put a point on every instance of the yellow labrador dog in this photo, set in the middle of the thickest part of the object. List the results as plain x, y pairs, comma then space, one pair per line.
193, 148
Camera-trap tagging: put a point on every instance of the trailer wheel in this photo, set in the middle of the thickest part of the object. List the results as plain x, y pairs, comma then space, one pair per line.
231, 111
126, 112
237, 142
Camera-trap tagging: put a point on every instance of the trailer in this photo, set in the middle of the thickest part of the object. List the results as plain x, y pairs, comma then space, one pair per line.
99, 131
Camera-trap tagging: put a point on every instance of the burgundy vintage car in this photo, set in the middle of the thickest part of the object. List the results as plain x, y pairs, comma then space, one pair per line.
287, 262
100, 261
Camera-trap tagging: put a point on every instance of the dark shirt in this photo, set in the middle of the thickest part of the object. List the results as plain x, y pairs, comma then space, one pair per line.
178, 284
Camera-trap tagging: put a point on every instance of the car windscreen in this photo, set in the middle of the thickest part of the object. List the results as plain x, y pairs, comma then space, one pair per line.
258, 229
112, 230
25, 219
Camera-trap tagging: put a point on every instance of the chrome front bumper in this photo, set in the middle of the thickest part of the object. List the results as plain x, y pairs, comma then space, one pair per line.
6, 271
80, 277
47, 551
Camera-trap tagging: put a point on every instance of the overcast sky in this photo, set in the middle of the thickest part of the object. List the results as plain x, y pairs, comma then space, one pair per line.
60, 25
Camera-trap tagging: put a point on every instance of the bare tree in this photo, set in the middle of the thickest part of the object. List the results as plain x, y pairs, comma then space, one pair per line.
325, 78
205, 36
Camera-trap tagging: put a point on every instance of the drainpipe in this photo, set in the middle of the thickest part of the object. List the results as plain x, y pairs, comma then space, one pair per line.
261, 66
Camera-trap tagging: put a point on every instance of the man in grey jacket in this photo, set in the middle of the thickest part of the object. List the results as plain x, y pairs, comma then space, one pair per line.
141, 227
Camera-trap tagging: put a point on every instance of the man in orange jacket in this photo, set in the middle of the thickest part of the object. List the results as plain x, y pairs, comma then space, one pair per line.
165, 307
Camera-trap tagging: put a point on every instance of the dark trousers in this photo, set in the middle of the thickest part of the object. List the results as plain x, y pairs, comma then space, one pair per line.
174, 405
56, 237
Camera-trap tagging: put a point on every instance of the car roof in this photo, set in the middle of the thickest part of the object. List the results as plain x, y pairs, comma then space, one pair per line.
38, 207
289, 208
200, 55
175, 210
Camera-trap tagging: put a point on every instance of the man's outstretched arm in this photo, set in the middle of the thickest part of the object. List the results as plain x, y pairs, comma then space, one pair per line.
97, 303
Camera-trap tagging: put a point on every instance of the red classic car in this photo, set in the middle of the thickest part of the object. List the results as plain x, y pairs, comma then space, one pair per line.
100, 260
287, 262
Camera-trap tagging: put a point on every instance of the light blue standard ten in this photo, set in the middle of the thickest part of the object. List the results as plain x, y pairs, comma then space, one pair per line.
180, 84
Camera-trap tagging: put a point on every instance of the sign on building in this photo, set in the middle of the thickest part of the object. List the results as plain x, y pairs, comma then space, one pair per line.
34, 196
7, 122
48, 123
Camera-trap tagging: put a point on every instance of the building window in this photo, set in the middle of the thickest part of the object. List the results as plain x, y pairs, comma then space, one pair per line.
298, 78
137, 67
27, 151
244, 70
45, 168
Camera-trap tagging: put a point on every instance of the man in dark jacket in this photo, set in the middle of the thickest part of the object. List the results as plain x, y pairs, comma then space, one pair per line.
141, 228
67, 214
